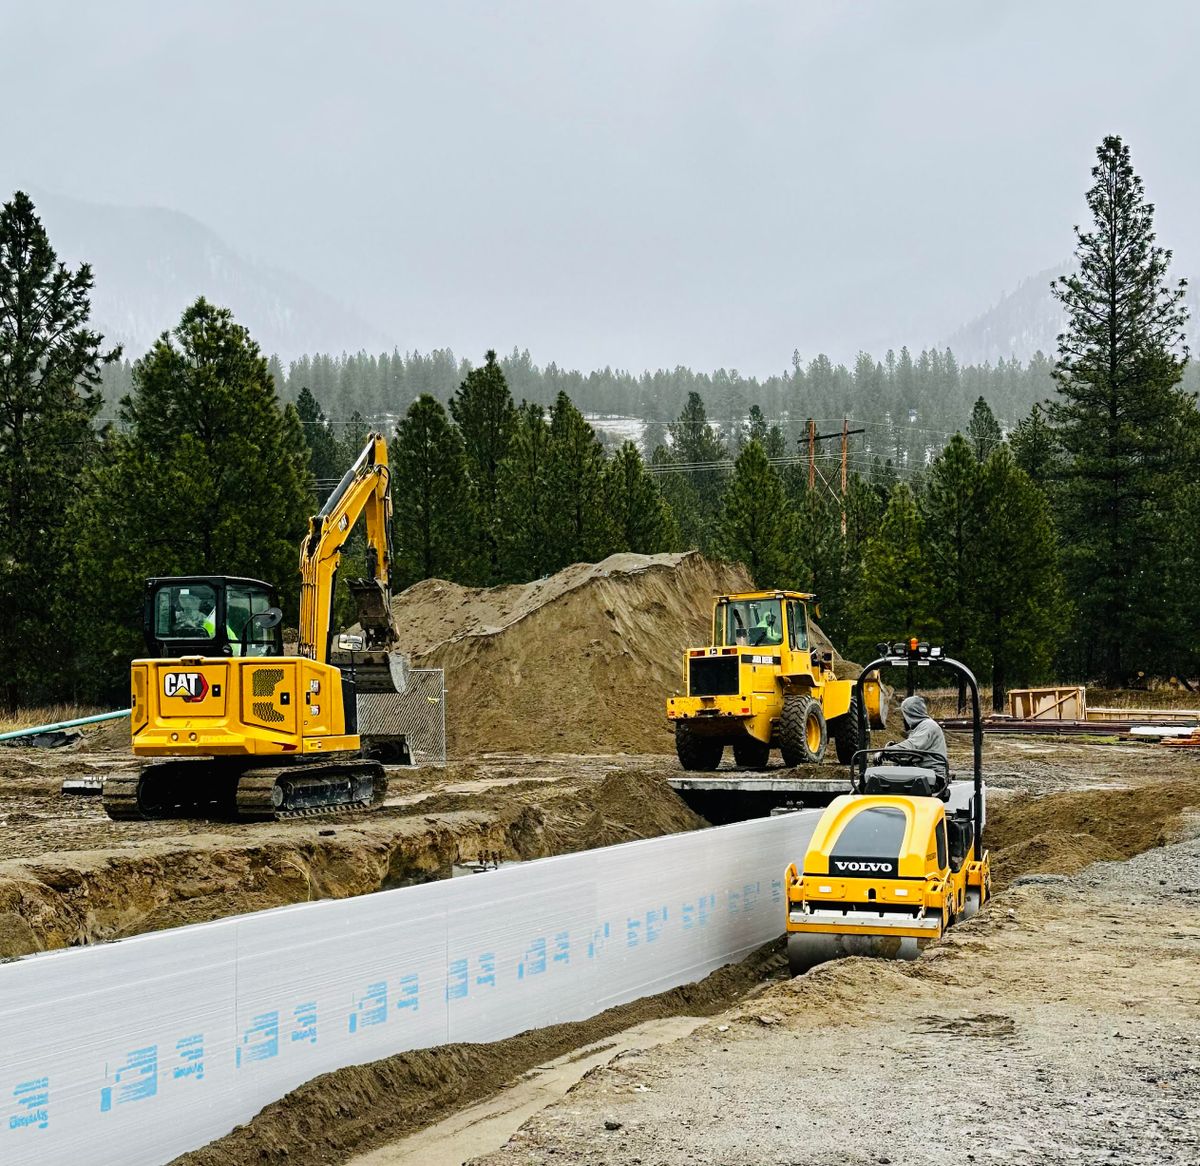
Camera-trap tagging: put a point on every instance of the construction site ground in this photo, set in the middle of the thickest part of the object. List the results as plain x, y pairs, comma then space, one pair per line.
1062, 1025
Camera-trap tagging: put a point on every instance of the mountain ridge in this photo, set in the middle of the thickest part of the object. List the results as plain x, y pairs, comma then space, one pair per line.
150, 262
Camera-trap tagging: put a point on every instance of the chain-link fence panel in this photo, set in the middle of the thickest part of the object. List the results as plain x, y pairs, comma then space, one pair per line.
418, 714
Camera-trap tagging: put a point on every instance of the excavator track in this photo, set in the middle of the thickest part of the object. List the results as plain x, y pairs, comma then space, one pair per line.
307, 790
207, 787
171, 789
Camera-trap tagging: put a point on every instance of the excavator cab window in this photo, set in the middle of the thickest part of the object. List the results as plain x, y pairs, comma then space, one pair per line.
210, 617
242, 602
184, 612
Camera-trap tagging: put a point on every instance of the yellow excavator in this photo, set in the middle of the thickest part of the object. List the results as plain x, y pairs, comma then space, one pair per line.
239, 727
901, 858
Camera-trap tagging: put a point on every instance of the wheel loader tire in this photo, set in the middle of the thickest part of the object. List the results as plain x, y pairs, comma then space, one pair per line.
751, 753
803, 734
846, 733
695, 751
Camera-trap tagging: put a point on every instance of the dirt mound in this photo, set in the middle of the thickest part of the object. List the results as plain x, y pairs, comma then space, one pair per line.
1062, 833
580, 662
350, 1111
629, 805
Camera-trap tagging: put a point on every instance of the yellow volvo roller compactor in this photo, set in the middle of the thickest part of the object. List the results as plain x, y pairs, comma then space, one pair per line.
238, 727
896, 862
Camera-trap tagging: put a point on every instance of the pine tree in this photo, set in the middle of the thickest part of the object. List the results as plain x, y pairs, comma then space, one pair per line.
485, 414
1018, 588
209, 476
430, 501
756, 425
1118, 418
580, 527
642, 519
1035, 448
695, 444
682, 498
525, 498
983, 430
352, 439
758, 527
819, 550
895, 598
325, 459
951, 522
50, 372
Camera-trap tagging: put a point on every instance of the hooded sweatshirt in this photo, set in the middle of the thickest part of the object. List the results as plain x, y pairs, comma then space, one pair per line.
924, 733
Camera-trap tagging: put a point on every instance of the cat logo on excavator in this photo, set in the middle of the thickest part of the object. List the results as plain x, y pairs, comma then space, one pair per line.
190, 686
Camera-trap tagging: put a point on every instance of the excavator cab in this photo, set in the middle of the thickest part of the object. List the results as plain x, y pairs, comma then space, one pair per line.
211, 615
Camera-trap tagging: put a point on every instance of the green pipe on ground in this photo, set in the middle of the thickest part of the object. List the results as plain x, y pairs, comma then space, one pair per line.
65, 724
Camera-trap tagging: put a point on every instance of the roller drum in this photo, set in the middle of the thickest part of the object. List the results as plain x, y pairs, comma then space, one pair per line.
808, 949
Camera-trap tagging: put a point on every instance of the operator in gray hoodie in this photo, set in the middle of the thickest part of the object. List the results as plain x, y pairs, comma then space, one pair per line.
924, 733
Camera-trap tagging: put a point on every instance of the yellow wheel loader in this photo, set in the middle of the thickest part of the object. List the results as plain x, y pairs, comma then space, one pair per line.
761, 685
896, 862
238, 727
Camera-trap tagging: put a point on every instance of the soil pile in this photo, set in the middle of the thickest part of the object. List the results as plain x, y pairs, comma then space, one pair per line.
580, 662
1062, 833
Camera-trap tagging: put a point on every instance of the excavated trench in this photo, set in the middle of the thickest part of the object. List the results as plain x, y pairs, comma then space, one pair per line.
72, 897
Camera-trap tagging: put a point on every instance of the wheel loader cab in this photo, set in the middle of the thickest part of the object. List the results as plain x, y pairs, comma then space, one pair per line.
760, 622
211, 615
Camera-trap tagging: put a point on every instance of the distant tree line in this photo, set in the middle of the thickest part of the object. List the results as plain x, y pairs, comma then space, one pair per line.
1065, 543
911, 404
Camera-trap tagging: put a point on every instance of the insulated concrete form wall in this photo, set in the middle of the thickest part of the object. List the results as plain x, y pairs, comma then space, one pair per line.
133, 1052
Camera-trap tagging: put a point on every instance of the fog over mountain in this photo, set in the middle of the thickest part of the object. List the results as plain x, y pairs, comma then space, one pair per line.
149, 264
1028, 319
641, 184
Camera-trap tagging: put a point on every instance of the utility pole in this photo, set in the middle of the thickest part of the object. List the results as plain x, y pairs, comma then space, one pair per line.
812, 454
845, 450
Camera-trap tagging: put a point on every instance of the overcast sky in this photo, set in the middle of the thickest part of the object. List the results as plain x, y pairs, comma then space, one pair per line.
638, 184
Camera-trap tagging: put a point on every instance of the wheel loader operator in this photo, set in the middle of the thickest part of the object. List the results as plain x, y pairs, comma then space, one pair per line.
924, 733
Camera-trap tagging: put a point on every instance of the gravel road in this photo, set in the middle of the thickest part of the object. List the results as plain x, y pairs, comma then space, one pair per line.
1062, 1025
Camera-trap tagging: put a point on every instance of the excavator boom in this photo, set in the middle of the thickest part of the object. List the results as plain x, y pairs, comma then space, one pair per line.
363, 491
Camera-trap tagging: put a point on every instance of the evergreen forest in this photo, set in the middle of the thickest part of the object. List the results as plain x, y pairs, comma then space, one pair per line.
1040, 519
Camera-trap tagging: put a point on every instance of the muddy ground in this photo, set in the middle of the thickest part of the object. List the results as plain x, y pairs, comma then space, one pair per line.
68, 875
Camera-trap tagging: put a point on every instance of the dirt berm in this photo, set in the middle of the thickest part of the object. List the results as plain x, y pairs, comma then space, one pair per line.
579, 662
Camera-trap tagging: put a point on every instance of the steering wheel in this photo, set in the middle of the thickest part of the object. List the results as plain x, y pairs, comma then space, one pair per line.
917, 758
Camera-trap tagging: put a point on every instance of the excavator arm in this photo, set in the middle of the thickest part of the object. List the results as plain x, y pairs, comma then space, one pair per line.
364, 492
